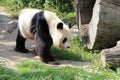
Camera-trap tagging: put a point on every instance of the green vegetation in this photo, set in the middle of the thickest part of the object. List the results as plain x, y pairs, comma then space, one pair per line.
60, 5
31, 70
8, 74
63, 8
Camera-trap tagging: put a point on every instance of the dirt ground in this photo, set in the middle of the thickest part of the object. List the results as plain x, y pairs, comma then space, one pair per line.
7, 43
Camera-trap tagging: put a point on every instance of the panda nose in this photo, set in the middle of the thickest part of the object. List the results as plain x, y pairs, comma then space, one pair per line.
68, 47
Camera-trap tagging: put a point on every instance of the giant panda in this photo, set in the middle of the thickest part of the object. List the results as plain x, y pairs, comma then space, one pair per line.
45, 28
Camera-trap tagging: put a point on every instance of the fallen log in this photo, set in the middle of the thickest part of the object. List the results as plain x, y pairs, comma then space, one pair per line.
111, 56
99, 22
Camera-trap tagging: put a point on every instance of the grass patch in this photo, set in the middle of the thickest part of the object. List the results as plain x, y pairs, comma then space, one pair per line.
76, 52
33, 70
8, 74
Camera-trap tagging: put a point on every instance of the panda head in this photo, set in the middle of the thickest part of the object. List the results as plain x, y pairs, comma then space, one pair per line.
59, 31
62, 36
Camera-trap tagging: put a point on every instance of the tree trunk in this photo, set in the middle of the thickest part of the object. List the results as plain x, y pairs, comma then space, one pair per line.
99, 22
111, 56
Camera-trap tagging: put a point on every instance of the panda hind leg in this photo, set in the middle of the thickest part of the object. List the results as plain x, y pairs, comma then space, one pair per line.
20, 44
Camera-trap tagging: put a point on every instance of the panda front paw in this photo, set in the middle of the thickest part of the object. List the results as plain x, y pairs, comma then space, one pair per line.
51, 62
46, 60
54, 63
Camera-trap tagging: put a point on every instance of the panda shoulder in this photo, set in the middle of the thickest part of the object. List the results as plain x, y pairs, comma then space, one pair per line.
50, 14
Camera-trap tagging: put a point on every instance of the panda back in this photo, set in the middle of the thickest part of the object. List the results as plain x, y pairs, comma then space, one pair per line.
24, 22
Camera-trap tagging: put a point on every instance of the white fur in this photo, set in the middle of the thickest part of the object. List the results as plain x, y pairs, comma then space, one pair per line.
57, 35
24, 22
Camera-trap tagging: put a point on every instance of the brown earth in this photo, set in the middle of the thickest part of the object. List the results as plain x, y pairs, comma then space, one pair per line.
7, 43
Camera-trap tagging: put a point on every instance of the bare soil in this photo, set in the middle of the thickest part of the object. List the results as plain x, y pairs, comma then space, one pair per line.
7, 43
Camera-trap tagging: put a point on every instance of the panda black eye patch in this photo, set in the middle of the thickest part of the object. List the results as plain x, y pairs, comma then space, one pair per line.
64, 40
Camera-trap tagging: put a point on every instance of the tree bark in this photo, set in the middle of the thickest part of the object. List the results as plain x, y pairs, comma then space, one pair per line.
99, 22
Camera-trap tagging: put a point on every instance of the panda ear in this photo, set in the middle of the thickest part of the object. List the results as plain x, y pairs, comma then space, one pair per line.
60, 26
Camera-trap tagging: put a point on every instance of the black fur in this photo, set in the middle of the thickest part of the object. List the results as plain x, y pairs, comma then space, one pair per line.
43, 38
33, 24
60, 26
20, 44
64, 40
